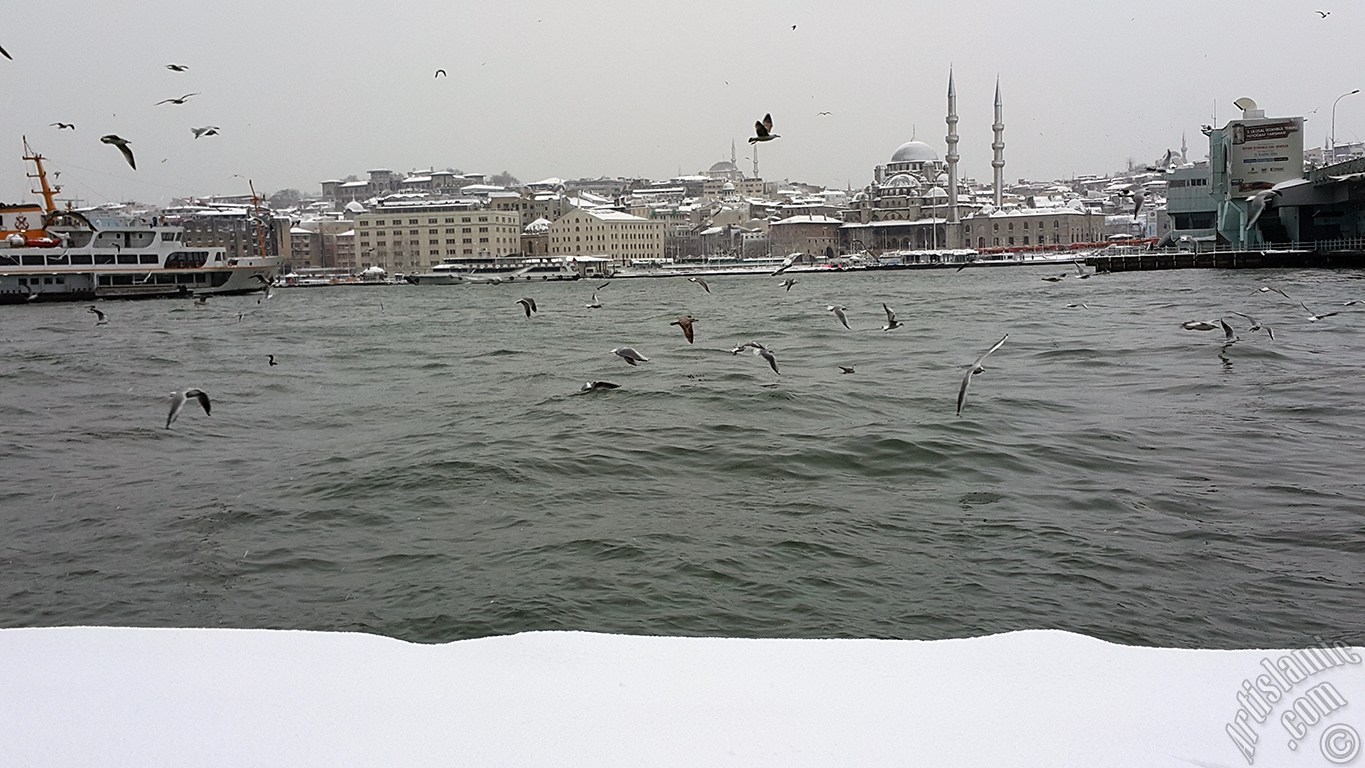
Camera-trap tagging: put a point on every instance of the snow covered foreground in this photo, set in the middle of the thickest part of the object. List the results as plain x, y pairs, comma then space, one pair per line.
86, 696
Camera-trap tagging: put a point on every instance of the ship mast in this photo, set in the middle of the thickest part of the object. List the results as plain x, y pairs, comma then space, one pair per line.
46, 191
256, 208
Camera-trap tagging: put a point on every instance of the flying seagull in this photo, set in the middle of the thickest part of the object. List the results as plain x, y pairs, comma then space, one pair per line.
1270, 288
5, 53
595, 304
1229, 338
1323, 14
1313, 317
1138, 196
763, 352
630, 355
1082, 305
180, 100
272, 359
838, 310
974, 369
60, 126
178, 402
845, 369
604, 285
1256, 205
176, 67
700, 282
788, 283
122, 145
264, 282
787, 263
1082, 274
891, 321
763, 130
528, 304
817, 114
100, 317
439, 73
599, 386
1257, 325
207, 130
685, 323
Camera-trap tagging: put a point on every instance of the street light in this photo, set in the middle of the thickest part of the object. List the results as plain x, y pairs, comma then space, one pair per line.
1334, 122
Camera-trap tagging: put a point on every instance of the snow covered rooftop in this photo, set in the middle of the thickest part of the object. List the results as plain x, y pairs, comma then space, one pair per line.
817, 219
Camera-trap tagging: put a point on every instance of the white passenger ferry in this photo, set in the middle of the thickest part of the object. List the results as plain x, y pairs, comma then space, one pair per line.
494, 269
47, 254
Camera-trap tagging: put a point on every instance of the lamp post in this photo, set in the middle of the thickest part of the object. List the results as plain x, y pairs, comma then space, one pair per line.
1334, 122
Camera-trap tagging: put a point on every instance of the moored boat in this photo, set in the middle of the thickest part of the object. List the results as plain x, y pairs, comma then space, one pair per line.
51, 254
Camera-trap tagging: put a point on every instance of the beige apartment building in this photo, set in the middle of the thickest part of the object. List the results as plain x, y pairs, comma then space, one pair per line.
414, 237
604, 232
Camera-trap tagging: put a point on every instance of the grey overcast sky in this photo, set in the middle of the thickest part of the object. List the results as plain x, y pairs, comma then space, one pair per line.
307, 91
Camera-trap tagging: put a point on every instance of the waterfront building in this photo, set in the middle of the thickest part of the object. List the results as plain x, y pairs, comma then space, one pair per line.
605, 232
817, 235
413, 236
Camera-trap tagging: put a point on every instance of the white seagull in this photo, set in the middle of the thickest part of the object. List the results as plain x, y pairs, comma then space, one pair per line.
528, 304
101, 319
1256, 205
1256, 325
700, 282
974, 369
788, 283
763, 130
178, 402
594, 304
1313, 317
838, 310
122, 145
630, 355
891, 321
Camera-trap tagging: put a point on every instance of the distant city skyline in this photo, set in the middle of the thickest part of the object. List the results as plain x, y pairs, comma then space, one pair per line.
307, 92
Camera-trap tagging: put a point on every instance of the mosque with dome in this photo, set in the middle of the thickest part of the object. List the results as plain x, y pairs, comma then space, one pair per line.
915, 202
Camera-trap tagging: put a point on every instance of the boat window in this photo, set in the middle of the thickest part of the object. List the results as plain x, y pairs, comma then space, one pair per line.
167, 237
32, 260
81, 258
104, 258
130, 258
147, 258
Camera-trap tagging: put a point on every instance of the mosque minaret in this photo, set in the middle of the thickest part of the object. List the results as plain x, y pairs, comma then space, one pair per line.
998, 147
952, 156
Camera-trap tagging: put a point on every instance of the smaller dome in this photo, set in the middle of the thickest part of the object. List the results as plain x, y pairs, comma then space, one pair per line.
936, 193
729, 187
901, 180
942, 180
354, 207
914, 152
538, 227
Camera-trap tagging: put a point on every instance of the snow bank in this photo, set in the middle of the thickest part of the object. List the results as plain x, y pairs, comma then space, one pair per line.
85, 696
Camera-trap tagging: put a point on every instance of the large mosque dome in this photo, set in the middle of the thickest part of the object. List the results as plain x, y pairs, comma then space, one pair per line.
724, 166
914, 152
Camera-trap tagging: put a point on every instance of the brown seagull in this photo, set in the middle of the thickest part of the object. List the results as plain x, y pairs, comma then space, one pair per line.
685, 323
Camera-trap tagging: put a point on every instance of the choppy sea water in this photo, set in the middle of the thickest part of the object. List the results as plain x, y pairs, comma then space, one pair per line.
421, 464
